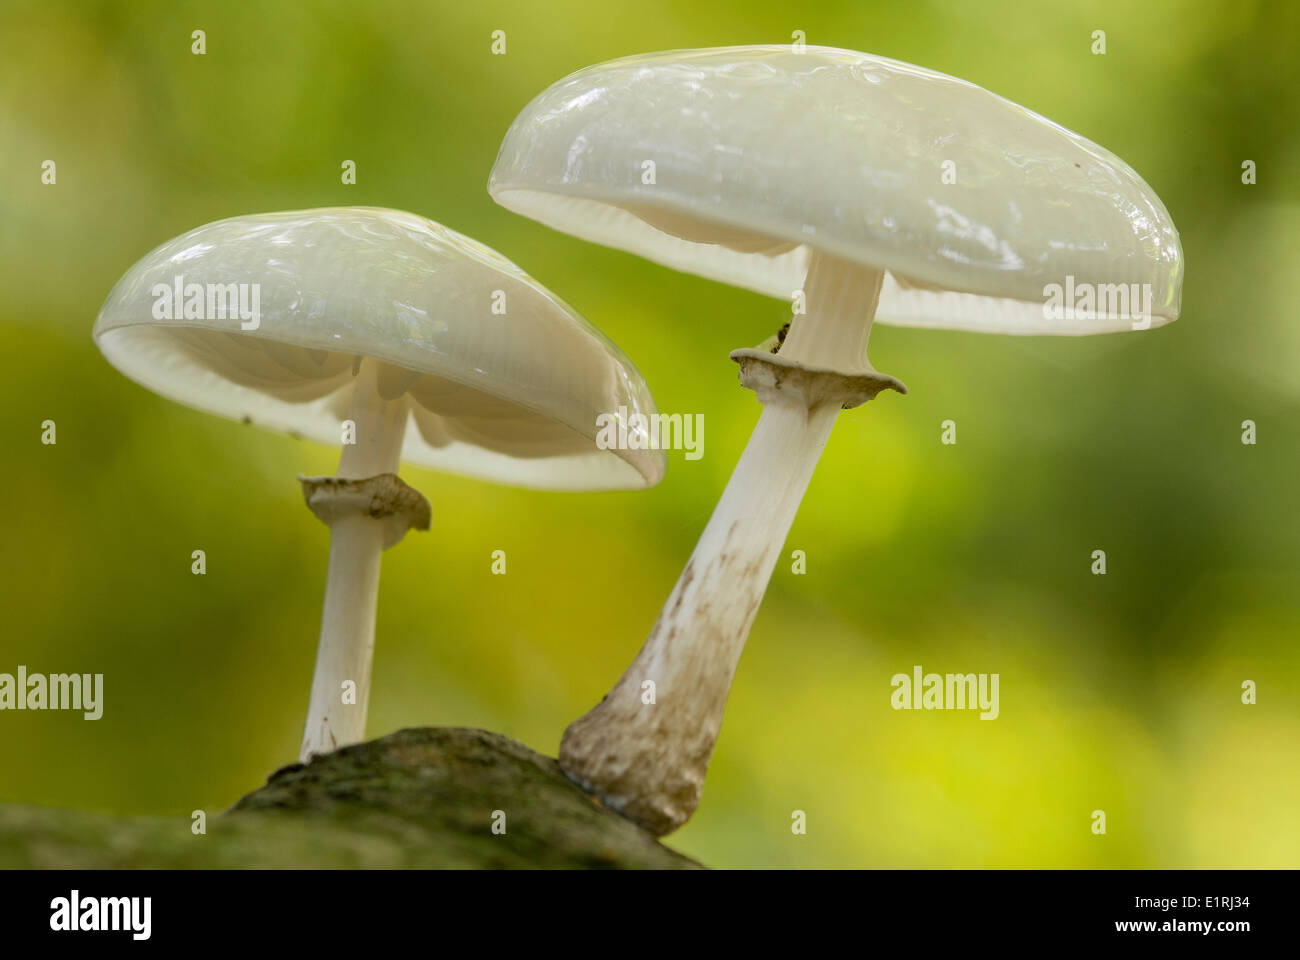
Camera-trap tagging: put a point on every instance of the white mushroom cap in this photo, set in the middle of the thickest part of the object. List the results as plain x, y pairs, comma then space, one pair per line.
508, 397
763, 154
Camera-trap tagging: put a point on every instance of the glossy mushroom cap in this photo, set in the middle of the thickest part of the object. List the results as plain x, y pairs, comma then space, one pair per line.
762, 154
508, 396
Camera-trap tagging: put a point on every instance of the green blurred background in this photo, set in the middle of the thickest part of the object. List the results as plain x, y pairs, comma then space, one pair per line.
1119, 693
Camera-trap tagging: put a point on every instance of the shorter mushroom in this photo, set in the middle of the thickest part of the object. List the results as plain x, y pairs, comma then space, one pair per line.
399, 339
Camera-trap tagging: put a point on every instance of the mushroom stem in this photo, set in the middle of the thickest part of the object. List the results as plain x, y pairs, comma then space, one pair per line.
649, 759
841, 300
337, 716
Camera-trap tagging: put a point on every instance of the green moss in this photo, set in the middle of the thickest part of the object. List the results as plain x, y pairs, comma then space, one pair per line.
418, 798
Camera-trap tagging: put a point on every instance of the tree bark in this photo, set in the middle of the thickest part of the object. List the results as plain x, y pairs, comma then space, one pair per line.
422, 798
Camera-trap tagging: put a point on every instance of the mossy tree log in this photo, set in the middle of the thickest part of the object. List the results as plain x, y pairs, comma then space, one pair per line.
423, 798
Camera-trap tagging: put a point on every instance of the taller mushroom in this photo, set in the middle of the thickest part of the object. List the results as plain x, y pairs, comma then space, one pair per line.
397, 339
866, 189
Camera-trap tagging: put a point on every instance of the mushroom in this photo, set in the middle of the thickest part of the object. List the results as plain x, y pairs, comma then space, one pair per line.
872, 190
383, 328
